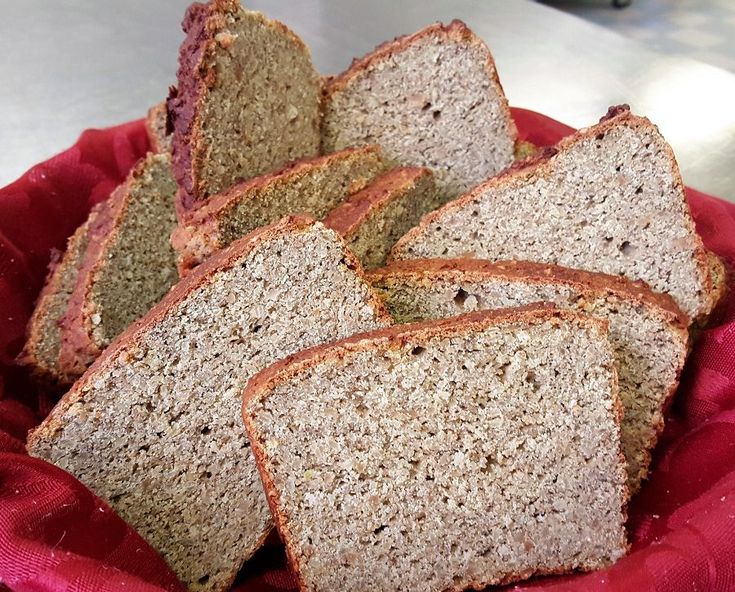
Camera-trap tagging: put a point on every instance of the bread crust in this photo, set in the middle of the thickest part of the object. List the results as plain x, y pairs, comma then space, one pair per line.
539, 165
347, 218
261, 386
79, 348
198, 234
196, 76
456, 31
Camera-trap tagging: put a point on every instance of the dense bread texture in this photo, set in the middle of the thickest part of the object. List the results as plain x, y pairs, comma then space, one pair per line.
128, 265
155, 126
311, 187
430, 99
445, 455
154, 426
43, 336
647, 330
247, 100
608, 198
375, 218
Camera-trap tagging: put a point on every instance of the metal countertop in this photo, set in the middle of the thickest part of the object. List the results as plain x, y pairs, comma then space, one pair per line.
68, 65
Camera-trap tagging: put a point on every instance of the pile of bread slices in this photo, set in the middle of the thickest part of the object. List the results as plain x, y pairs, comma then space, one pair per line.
475, 408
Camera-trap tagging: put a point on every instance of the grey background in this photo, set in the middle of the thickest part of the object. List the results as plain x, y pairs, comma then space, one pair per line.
68, 65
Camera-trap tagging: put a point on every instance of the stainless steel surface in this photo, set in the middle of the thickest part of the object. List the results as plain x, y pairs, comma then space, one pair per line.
72, 64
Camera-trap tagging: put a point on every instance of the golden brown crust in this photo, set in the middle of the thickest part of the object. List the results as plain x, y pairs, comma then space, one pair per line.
347, 218
198, 233
539, 166
457, 31
585, 282
262, 384
220, 261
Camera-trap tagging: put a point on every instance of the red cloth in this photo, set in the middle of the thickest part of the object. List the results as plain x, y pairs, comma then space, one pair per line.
56, 535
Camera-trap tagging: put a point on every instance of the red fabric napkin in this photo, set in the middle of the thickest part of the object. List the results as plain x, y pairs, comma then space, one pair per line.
56, 535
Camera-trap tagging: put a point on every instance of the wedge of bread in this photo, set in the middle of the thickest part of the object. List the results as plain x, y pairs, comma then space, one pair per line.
430, 99
608, 198
647, 330
375, 218
162, 404
127, 267
311, 187
155, 126
444, 455
247, 100
43, 336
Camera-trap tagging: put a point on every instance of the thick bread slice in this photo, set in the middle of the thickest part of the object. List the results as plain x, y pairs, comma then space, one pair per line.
311, 187
445, 455
247, 100
429, 99
375, 218
154, 426
608, 198
647, 330
43, 337
128, 265
155, 126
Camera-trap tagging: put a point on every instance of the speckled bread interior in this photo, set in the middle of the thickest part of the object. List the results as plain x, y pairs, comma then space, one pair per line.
154, 427
128, 264
312, 187
431, 99
647, 331
445, 455
608, 198
246, 101
373, 219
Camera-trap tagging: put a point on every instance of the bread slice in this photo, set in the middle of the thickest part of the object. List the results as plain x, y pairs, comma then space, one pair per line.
247, 100
647, 330
43, 337
430, 99
154, 426
128, 265
310, 187
609, 198
155, 126
444, 455
375, 218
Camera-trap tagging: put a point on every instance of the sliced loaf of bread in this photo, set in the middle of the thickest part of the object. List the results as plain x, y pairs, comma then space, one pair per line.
608, 198
647, 330
155, 127
43, 336
311, 187
373, 219
429, 99
128, 264
247, 100
154, 426
444, 455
